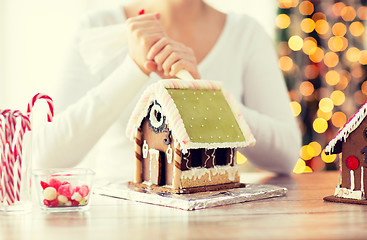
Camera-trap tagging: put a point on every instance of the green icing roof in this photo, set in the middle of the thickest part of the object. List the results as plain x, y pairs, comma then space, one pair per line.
207, 116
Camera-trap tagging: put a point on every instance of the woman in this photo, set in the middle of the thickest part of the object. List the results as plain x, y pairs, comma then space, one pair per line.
92, 110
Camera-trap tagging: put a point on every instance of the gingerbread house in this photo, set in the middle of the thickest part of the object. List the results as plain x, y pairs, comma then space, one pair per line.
351, 143
186, 133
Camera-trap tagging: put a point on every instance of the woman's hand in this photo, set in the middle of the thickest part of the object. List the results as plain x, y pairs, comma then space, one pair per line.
167, 57
153, 51
143, 32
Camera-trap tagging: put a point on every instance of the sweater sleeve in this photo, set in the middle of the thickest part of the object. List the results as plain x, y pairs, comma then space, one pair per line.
85, 107
267, 110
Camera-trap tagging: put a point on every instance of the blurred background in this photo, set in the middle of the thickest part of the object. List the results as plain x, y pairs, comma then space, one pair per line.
321, 48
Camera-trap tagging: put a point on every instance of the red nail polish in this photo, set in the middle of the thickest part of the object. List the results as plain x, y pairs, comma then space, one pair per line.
141, 12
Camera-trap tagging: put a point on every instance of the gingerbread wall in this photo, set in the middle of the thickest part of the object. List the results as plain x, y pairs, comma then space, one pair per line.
356, 141
157, 141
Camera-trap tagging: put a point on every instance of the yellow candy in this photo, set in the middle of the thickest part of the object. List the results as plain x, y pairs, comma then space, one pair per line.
50, 193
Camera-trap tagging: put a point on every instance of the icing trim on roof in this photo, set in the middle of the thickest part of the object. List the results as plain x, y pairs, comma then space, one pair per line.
348, 128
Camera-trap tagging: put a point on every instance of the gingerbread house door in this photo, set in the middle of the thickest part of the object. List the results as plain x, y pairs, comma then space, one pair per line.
157, 167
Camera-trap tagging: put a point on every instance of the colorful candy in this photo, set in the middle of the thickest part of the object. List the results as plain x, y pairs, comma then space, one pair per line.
63, 194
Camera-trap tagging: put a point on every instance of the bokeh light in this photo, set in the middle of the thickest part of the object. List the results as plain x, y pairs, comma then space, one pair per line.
306, 88
285, 63
348, 13
324, 115
332, 77
356, 29
306, 8
308, 25
283, 21
287, 3
322, 26
363, 57
296, 108
336, 44
295, 43
331, 59
300, 166
327, 158
364, 88
311, 71
309, 46
362, 12
339, 29
337, 8
338, 119
326, 105
338, 97
320, 125
316, 148
353, 54
317, 55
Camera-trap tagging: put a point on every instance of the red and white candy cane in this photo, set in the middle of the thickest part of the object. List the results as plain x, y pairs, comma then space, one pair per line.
49, 101
2, 156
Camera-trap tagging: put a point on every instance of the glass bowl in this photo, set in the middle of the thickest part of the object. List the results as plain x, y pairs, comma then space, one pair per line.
66, 189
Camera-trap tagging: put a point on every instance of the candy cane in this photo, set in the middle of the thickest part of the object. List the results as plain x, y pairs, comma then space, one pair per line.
22, 126
11, 136
2, 156
13, 125
9, 184
50, 113
2, 149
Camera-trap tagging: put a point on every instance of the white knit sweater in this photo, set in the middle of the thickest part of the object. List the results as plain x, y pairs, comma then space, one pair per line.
92, 110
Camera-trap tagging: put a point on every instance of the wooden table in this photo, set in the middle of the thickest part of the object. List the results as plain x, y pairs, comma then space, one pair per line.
302, 214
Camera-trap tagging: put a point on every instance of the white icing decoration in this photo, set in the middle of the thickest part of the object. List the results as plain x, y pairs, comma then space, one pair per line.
145, 149
197, 173
213, 156
352, 180
169, 154
349, 127
154, 161
207, 157
231, 157
152, 117
362, 180
186, 158
348, 193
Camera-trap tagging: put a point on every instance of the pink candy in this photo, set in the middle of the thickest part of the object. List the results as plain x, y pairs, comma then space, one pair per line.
63, 194
66, 190
84, 190
55, 183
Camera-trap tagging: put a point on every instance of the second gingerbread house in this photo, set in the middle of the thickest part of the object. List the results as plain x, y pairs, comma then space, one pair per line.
351, 143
